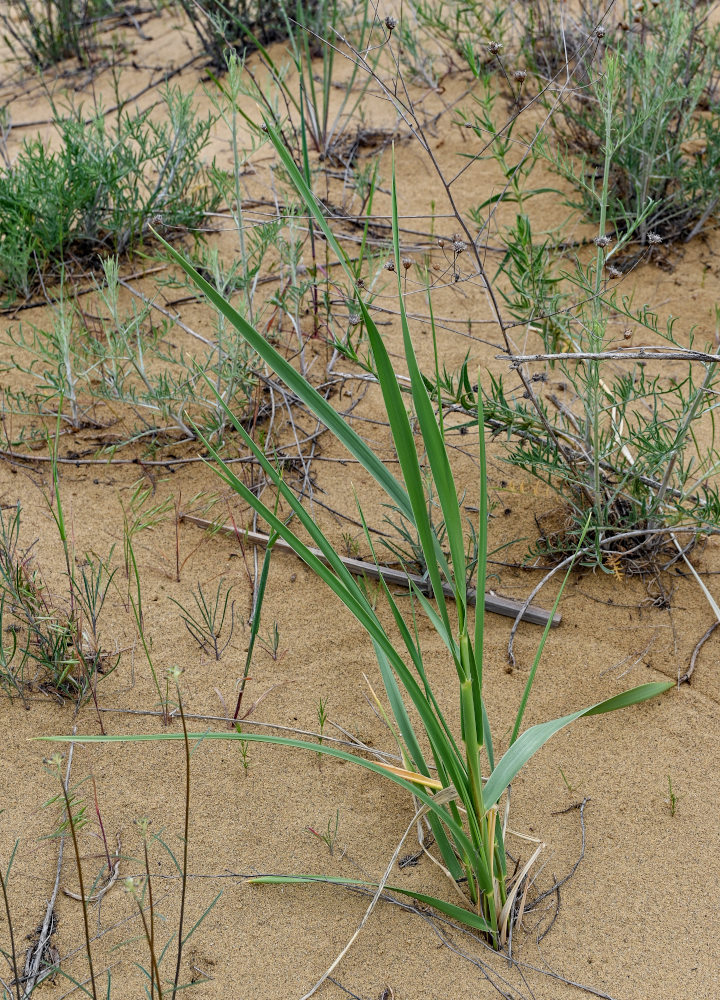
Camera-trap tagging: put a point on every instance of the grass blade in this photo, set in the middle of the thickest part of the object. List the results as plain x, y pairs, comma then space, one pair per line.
463, 916
527, 745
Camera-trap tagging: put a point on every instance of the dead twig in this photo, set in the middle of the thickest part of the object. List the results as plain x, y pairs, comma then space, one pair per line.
37, 967
685, 678
507, 606
97, 896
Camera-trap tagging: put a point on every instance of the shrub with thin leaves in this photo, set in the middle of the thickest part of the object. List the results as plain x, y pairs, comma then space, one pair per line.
608, 426
127, 366
98, 192
666, 169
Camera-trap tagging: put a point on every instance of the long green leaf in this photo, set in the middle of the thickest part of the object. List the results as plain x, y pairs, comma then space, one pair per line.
402, 433
321, 748
432, 438
301, 388
347, 589
449, 909
527, 745
440, 754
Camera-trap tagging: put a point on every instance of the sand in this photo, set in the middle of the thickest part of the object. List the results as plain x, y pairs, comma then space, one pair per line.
638, 916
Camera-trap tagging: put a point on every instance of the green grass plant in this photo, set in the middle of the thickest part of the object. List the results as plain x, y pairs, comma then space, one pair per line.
45, 33
206, 621
226, 26
51, 640
454, 775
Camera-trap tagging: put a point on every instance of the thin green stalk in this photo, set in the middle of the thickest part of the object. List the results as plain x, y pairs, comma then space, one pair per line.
186, 837
482, 544
597, 329
255, 618
8, 917
86, 923
155, 977
472, 748
154, 970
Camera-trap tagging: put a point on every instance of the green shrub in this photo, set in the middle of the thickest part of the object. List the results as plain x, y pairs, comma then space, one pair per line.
98, 192
665, 108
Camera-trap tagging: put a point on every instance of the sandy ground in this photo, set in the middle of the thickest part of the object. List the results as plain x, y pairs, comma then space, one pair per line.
637, 919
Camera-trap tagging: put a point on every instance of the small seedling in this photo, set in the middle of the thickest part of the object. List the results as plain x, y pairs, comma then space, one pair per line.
672, 799
206, 625
322, 717
566, 782
244, 748
330, 836
271, 644
351, 545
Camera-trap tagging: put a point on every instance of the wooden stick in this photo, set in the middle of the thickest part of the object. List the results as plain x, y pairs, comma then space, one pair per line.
506, 606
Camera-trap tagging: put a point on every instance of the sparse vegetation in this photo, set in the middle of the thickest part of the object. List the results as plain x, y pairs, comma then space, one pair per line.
431, 286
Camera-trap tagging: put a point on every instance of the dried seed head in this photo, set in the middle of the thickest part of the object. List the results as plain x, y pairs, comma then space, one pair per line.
613, 272
600, 31
264, 127
360, 283
654, 238
389, 265
602, 241
441, 243
494, 48
459, 246
354, 319
624, 26
391, 23
627, 334
406, 263
520, 75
